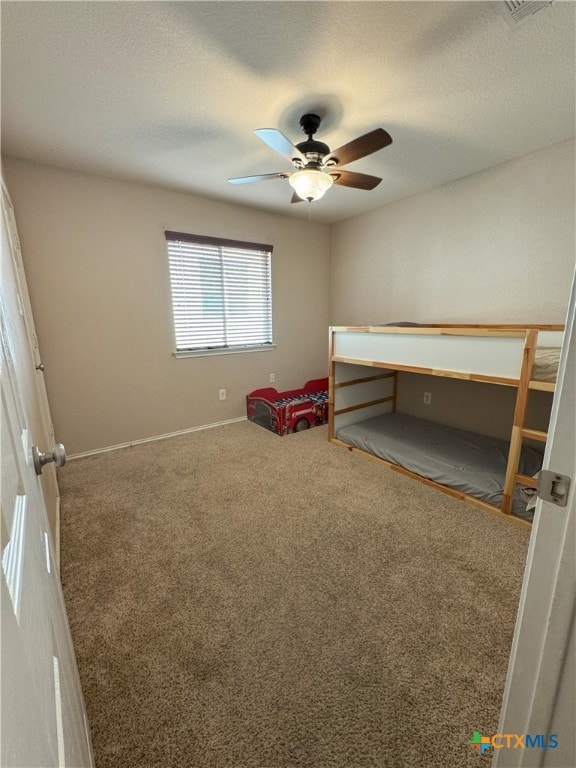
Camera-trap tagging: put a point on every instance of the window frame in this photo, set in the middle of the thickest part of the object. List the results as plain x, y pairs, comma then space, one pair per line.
220, 242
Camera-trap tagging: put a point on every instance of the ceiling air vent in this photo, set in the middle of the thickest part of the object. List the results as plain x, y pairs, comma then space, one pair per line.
516, 12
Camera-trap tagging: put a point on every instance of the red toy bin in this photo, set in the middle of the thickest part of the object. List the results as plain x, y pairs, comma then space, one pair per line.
291, 411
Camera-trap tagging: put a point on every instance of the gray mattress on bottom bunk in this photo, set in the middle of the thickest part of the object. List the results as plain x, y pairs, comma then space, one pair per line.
465, 461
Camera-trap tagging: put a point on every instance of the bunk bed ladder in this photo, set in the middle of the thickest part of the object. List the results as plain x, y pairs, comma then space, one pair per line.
519, 432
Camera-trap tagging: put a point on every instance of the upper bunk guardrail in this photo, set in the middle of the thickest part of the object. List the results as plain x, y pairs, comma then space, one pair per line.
492, 354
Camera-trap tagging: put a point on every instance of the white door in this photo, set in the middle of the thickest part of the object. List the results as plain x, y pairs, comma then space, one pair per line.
32, 370
540, 694
43, 721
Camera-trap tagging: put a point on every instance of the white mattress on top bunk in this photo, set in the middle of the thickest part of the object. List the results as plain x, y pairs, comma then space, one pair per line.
468, 462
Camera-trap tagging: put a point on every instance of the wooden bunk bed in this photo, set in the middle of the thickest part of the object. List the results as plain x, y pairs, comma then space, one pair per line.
362, 403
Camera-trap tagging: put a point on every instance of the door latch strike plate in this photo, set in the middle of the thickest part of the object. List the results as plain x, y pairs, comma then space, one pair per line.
553, 487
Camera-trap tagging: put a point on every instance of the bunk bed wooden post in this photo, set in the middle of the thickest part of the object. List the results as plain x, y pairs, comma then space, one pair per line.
519, 420
331, 382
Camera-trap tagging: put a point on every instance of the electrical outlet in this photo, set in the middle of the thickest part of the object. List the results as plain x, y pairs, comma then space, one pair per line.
222, 394
427, 398
272, 378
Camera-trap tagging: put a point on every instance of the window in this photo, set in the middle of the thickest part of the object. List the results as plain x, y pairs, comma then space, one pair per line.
221, 294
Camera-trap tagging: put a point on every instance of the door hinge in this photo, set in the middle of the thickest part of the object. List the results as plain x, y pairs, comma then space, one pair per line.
553, 487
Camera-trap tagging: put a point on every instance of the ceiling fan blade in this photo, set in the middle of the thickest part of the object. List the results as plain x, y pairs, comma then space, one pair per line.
360, 147
296, 199
356, 180
261, 177
279, 143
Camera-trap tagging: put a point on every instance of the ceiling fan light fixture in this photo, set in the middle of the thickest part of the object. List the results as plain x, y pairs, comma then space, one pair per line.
310, 184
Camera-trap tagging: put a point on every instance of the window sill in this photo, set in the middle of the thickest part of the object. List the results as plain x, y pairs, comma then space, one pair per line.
210, 352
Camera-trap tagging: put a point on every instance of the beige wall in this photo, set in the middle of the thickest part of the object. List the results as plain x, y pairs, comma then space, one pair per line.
483, 408
495, 247
95, 257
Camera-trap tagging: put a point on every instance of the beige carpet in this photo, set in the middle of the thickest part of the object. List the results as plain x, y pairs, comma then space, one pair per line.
241, 600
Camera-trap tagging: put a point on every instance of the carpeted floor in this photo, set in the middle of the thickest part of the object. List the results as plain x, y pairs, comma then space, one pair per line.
241, 600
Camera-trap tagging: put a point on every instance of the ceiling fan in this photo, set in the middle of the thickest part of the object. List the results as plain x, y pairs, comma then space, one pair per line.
316, 167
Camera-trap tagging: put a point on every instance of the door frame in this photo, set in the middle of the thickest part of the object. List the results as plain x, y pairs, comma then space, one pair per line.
47, 439
539, 692
44, 719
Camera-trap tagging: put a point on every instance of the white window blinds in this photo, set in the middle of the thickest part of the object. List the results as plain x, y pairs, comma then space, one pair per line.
221, 293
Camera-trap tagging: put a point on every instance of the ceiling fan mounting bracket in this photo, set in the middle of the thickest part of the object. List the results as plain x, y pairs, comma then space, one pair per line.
310, 124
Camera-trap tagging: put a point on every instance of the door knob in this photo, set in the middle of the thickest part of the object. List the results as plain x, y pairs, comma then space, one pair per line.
40, 367
57, 455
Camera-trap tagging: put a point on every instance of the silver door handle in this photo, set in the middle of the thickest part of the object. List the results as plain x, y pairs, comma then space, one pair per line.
57, 455
40, 367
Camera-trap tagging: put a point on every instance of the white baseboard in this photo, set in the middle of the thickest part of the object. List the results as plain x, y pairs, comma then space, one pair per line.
154, 439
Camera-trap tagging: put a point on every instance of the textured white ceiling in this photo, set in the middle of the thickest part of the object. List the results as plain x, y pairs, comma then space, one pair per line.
169, 93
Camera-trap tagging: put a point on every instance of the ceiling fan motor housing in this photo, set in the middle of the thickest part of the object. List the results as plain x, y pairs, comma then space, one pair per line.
313, 147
